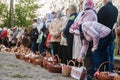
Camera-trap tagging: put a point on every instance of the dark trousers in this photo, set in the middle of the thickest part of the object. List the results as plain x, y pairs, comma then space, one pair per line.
88, 60
34, 46
69, 47
41, 45
110, 56
5, 42
56, 48
64, 54
101, 54
0, 41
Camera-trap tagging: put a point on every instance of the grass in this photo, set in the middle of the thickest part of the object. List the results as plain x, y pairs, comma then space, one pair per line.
11, 65
115, 51
1, 66
117, 56
28, 67
21, 76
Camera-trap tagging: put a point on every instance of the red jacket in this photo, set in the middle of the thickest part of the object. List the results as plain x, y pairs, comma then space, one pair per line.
4, 34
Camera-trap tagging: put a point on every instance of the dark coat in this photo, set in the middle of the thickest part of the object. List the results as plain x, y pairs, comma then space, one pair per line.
34, 35
107, 15
70, 22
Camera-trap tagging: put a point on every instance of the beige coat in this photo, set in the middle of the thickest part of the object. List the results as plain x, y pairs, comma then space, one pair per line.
55, 30
64, 23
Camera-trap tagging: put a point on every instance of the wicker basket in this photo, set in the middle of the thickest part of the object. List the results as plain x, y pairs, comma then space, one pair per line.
17, 56
55, 60
22, 57
55, 67
66, 69
32, 59
37, 61
50, 63
41, 61
47, 55
104, 75
117, 78
26, 59
79, 72
45, 62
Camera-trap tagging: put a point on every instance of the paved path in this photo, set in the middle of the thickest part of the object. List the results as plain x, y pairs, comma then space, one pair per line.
14, 69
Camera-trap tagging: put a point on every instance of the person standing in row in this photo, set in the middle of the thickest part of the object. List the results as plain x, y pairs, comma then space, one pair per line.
107, 16
88, 13
63, 41
54, 31
73, 14
34, 36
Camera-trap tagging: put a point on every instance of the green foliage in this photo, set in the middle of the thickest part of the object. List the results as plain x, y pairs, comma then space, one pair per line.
25, 12
3, 10
4, 16
21, 76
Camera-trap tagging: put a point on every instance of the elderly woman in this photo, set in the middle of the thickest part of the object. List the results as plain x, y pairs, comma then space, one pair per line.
55, 32
87, 14
69, 37
101, 37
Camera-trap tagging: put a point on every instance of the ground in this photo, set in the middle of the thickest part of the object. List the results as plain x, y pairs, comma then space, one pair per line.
14, 69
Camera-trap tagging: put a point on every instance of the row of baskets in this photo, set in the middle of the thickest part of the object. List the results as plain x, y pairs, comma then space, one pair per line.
52, 64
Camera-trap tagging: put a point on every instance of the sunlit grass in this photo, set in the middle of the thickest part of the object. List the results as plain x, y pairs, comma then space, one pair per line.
115, 50
21, 76
1, 66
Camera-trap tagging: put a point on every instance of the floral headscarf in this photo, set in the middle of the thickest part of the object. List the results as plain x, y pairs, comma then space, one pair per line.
88, 3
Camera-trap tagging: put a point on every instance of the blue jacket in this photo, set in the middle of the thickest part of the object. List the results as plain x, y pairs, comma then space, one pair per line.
70, 22
107, 15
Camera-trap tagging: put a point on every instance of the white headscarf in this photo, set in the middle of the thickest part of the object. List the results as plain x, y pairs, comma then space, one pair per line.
4, 28
1, 29
41, 24
48, 19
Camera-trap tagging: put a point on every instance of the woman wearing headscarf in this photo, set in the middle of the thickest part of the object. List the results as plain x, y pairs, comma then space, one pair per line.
76, 41
45, 30
55, 32
42, 36
87, 14
48, 19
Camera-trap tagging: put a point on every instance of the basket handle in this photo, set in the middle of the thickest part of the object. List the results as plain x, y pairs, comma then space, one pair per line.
58, 58
104, 63
47, 54
71, 61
